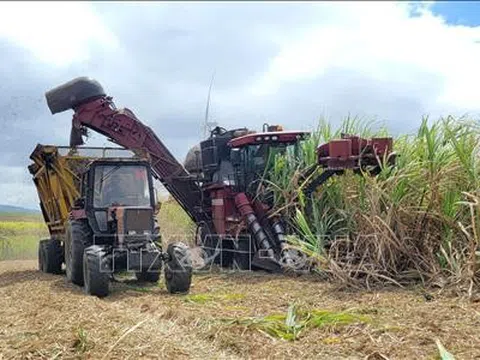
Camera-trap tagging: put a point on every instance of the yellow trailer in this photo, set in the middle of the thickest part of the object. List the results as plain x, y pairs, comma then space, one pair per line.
57, 174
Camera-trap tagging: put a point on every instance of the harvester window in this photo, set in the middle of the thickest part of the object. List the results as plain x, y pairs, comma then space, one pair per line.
121, 185
261, 156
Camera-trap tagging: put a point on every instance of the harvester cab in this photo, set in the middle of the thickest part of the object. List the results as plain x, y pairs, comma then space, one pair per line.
251, 154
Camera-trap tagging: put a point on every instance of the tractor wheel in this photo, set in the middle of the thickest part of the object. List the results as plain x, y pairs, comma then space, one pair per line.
178, 269
148, 276
96, 272
52, 256
78, 237
41, 255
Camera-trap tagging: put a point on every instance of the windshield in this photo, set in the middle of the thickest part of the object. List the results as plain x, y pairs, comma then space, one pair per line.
261, 157
121, 185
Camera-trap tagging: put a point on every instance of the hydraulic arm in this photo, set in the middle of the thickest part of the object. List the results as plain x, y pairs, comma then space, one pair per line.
95, 110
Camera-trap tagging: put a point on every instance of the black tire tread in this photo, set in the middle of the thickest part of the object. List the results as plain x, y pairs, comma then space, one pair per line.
80, 233
97, 280
52, 256
41, 255
178, 269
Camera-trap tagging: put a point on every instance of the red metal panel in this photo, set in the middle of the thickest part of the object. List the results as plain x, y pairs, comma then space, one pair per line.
243, 204
341, 148
382, 145
345, 153
78, 214
218, 210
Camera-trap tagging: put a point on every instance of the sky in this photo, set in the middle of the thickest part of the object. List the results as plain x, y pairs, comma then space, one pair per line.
287, 63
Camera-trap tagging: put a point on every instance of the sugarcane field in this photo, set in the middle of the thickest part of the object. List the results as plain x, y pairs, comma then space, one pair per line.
239, 180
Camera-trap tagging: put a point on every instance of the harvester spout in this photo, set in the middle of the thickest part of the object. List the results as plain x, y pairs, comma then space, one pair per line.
73, 93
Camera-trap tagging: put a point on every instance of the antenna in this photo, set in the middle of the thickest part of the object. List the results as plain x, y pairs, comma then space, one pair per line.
208, 126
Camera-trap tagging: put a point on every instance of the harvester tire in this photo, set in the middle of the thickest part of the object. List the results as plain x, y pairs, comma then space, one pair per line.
78, 237
148, 276
96, 272
52, 256
178, 268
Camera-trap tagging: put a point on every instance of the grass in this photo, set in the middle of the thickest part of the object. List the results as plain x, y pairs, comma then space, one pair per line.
19, 239
291, 325
175, 224
415, 221
20, 233
210, 297
48, 317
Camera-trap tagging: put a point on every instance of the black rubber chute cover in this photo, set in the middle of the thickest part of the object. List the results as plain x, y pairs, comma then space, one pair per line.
73, 93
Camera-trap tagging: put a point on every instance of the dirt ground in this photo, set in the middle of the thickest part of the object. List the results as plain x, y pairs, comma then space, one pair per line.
43, 316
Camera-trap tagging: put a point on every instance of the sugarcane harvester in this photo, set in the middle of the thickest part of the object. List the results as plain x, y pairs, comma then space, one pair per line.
216, 185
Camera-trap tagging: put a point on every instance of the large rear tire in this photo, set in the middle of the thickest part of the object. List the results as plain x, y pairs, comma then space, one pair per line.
78, 237
178, 269
96, 272
41, 255
52, 256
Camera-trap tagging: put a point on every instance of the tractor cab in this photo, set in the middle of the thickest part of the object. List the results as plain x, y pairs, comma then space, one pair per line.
119, 201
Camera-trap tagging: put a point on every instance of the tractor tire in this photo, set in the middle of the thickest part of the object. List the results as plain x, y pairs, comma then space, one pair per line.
96, 272
78, 237
41, 255
52, 256
144, 276
178, 269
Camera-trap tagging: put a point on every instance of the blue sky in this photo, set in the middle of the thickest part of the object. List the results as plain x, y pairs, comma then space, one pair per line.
286, 63
459, 12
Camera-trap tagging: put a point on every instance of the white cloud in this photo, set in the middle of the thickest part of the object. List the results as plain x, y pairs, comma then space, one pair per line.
57, 33
382, 40
16, 187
